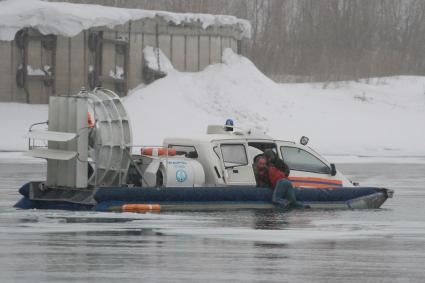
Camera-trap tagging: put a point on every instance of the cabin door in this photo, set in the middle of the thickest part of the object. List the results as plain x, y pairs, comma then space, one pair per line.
238, 170
307, 168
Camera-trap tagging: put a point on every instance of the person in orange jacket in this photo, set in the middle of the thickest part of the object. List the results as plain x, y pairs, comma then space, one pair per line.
283, 192
279, 164
275, 175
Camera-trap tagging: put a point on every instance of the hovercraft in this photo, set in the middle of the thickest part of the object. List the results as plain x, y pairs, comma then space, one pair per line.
91, 165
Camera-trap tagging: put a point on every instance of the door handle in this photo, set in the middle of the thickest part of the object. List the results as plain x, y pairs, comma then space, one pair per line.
235, 171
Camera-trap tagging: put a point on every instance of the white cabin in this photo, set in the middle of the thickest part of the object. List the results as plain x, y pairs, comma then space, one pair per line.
226, 156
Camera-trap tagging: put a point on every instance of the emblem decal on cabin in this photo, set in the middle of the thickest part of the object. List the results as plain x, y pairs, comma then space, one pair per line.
181, 176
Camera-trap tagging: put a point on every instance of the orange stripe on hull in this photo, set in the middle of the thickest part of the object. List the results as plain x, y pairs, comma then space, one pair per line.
338, 182
140, 207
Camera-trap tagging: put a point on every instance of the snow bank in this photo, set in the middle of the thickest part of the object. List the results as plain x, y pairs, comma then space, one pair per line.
69, 19
377, 117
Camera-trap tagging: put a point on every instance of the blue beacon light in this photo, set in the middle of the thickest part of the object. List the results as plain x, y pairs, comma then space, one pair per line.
229, 125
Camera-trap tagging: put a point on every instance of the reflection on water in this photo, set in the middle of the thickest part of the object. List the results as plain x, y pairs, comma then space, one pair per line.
384, 245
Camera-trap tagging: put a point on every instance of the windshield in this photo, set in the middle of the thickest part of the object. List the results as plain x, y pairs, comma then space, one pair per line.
301, 160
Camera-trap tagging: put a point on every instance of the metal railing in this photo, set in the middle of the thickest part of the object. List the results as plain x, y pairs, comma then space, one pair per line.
31, 142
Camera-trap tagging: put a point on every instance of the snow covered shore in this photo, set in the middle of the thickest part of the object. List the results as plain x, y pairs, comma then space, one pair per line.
15, 119
375, 117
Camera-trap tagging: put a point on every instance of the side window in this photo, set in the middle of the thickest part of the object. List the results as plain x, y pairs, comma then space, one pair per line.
186, 150
257, 148
301, 160
263, 146
234, 155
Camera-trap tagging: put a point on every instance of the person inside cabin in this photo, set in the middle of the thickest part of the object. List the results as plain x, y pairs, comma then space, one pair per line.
261, 172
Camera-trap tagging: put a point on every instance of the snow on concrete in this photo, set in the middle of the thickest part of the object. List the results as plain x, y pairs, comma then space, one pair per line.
69, 19
117, 73
38, 72
375, 117
156, 60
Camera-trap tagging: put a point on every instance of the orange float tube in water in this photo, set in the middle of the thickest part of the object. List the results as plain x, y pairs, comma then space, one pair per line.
140, 207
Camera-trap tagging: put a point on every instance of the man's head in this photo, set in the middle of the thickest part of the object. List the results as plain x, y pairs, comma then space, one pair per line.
261, 163
270, 155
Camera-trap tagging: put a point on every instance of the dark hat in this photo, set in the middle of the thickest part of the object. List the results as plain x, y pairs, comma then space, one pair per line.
270, 154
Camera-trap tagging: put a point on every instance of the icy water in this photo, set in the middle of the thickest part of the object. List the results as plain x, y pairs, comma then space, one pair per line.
383, 245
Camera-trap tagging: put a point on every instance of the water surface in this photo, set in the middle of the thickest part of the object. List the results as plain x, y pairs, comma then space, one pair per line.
383, 245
